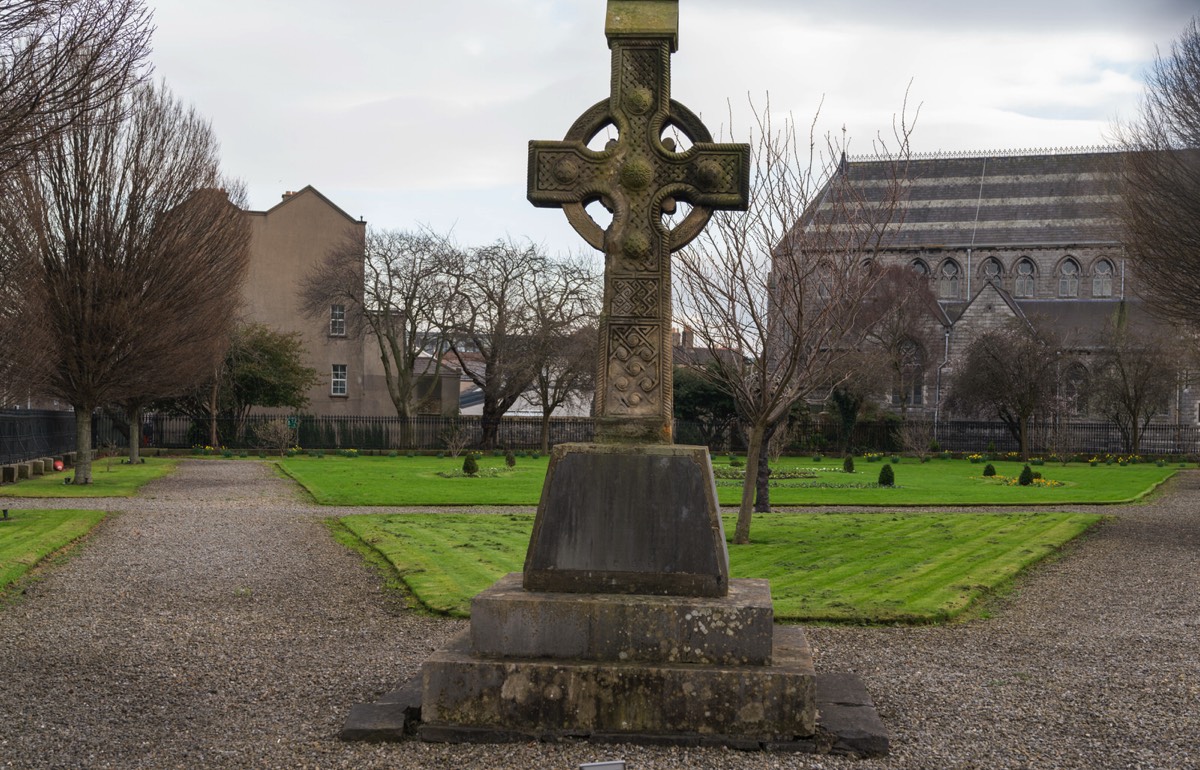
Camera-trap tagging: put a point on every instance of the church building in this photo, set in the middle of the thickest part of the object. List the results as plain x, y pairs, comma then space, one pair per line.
1001, 235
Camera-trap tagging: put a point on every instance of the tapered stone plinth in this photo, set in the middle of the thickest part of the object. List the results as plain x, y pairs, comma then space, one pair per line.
628, 519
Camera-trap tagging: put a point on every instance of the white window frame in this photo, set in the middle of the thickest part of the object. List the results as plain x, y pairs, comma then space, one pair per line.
337, 320
339, 377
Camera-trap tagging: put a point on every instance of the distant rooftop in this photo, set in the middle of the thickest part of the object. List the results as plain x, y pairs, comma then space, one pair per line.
995, 199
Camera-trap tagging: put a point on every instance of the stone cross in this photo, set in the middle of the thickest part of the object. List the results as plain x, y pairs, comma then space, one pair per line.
639, 177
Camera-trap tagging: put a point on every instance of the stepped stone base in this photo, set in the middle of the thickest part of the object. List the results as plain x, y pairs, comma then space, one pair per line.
508, 621
464, 695
547, 666
847, 724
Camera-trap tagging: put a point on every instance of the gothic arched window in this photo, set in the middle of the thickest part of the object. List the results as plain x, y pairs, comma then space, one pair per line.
919, 266
992, 270
1023, 287
1074, 390
948, 280
1102, 279
1068, 279
908, 389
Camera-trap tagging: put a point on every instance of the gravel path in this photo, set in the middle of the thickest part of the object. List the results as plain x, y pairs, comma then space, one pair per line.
214, 623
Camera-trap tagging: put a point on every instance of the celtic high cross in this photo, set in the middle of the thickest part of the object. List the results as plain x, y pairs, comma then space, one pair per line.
639, 177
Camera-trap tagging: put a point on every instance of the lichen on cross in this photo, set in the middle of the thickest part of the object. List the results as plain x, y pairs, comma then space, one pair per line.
639, 177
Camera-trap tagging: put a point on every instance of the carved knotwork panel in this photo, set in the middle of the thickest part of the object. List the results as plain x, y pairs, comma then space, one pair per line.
634, 387
635, 297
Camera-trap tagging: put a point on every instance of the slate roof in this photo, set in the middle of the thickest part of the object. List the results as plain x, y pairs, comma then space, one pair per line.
1083, 322
993, 199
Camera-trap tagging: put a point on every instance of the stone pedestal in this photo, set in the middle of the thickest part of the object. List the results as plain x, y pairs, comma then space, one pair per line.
625, 624
626, 627
621, 667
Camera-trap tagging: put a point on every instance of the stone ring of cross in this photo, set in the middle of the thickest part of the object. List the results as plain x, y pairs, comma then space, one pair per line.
635, 174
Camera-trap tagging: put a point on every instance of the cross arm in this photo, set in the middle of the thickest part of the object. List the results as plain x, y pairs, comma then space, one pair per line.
561, 173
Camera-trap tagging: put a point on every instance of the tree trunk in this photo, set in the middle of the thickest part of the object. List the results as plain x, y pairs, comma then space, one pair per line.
762, 491
214, 440
135, 435
741, 535
83, 445
1023, 439
489, 423
545, 431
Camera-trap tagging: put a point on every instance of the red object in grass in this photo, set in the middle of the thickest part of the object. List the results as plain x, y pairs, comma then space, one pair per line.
58, 465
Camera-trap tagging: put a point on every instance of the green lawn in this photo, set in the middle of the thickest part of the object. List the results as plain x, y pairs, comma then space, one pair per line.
835, 567
109, 479
414, 481
27, 537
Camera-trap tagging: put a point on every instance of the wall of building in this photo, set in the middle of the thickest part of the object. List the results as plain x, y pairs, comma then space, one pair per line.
287, 241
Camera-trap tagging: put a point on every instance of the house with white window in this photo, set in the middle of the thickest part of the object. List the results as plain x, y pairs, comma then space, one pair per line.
287, 241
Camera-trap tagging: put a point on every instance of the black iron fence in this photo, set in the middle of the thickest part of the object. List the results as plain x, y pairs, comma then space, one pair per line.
29, 433
25, 434
1045, 437
423, 433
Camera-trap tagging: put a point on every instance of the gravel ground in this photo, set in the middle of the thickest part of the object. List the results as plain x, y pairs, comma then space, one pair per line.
214, 623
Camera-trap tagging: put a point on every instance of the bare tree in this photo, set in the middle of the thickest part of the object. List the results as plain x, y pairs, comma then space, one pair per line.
567, 372
507, 298
916, 437
64, 63
903, 322
1010, 374
396, 288
1136, 371
565, 342
138, 254
776, 293
1161, 182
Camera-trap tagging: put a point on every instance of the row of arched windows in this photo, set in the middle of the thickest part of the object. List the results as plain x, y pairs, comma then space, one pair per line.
1023, 275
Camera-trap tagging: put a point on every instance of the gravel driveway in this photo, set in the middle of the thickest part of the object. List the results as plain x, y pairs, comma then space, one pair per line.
215, 623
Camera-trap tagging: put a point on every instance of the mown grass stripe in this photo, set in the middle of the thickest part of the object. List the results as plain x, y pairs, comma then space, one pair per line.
27, 537
910, 567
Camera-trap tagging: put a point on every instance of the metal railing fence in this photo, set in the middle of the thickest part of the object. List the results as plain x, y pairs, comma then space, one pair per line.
26, 434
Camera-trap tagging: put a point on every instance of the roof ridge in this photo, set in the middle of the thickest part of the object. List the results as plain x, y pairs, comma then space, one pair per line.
1015, 153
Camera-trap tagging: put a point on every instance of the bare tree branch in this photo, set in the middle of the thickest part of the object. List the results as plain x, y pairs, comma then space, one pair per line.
394, 288
777, 293
508, 301
63, 63
138, 250
1161, 183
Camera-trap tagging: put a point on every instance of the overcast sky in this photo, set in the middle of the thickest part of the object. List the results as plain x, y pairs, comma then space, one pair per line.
411, 112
